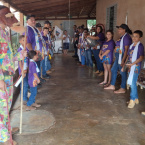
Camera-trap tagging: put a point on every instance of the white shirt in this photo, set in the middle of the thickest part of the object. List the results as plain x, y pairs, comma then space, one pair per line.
67, 39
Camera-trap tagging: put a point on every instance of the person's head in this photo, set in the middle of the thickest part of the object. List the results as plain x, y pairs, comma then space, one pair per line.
6, 17
75, 27
85, 34
109, 34
65, 32
81, 29
38, 26
31, 20
86, 30
47, 24
33, 55
99, 29
22, 40
123, 28
45, 31
137, 35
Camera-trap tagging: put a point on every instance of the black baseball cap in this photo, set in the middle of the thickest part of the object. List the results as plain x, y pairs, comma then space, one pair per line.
38, 25
124, 26
29, 16
47, 22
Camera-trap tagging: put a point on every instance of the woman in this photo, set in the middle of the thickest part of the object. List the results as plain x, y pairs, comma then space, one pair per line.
66, 41
106, 55
98, 36
122, 45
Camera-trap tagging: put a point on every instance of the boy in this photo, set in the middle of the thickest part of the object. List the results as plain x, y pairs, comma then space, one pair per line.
20, 68
33, 79
47, 61
135, 57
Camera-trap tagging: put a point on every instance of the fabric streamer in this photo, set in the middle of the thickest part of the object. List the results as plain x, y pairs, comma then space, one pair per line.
134, 57
121, 49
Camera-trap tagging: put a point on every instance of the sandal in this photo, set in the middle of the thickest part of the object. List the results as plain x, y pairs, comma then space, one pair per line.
106, 85
102, 83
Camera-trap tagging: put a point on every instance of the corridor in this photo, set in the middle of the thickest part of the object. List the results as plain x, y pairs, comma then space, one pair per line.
85, 114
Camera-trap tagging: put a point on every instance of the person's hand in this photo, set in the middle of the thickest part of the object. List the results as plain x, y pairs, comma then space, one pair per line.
3, 86
122, 70
38, 81
88, 36
24, 53
122, 63
101, 57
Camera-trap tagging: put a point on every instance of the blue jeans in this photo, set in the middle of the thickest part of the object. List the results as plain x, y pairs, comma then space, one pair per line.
47, 64
51, 52
88, 55
39, 66
43, 67
32, 97
133, 93
99, 64
114, 71
82, 56
25, 88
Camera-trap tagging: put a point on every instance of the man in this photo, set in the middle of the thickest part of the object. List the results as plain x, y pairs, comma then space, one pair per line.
42, 64
7, 71
34, 41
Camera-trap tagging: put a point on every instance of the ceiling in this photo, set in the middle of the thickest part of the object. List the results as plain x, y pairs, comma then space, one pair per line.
56, 9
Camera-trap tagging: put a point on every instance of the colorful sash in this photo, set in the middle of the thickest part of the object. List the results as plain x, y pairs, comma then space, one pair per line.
121, 49
134, 58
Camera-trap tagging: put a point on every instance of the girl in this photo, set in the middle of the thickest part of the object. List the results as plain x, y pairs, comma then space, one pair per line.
98, 36
66, 41
106, 55
124, 43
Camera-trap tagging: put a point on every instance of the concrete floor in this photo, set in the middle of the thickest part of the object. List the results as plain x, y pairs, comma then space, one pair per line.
86, 114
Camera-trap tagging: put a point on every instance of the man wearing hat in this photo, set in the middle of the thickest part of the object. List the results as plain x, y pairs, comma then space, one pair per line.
123, 44
34, 40
42, 64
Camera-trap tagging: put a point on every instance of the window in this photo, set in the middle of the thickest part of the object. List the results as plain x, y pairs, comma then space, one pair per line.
111, 18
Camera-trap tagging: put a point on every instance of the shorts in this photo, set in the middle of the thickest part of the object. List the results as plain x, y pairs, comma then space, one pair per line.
65, 45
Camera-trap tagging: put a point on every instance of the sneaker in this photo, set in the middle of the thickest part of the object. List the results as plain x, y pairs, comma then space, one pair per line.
101, 74
36, 105
136, 101
49, 72
131, 104
30, 108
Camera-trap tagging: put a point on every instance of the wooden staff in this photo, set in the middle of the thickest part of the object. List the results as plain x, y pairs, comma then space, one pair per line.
22, 84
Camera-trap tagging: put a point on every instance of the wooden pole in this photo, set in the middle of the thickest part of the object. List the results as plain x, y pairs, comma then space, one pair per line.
22, 84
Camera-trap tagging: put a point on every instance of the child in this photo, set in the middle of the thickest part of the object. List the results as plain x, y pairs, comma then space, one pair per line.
66, 41
47, 53
88, 53
106, 55
24, 66
135, 57
33, 79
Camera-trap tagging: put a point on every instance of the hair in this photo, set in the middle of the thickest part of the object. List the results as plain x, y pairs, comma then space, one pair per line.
46, 28
29, 16
75, 25
21, 36
129, 31
2, 7
110, 31
31, 54
139, 32
86, 29
81, 27
100, 28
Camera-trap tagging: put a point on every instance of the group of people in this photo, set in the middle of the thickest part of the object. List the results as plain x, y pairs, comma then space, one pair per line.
123, 56
34, 58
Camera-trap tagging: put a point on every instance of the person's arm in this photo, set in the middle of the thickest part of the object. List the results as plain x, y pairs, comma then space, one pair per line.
36, 76
125, 55
105, 53
140, 59
21, 66
94, 37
